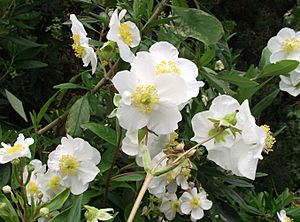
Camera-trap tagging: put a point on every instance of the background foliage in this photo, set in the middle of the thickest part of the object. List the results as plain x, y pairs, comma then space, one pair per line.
36, 58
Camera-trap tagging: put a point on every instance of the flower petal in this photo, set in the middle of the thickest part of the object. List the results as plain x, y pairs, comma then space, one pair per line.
77, 27
143, 67
125, 52
125, 81
163, 51
186, 208
274, 44
135, 32
197, 213
188, 69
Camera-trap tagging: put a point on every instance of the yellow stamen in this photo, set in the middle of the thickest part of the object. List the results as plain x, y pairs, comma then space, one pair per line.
77, 47
270, 139
186, 173
68, 164
175, 205
15, 149
125, 33
54, 182
290, 45
144, 98
288, 219
167, 67
32, 188
196, 202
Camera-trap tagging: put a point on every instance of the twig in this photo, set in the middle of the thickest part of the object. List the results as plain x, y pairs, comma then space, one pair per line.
157, 12
108, 178
140, 197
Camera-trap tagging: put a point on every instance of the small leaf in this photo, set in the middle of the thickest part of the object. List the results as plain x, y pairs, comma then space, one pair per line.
69, 85
79, 114
8, 213
5, 171
75, 212
130, 177
104, 132
198, 24
45, 108
58, 201
264, 103
238, 80
279, 68
16, 104
30, 64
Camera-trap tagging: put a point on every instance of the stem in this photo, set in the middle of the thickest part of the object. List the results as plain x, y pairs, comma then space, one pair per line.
157, 12
108, 178
140, 197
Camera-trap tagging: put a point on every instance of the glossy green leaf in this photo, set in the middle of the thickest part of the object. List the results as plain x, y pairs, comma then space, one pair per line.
279, 68
44, 108
69, 85
58, 201
238, 80
264, 103
75, 212
30, 64
8, 213
79, 114
198, 24
130, 177
5, 171
16, 104
104, 132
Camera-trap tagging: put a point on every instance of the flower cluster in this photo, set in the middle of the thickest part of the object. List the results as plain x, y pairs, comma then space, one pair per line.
237, 141
286, 45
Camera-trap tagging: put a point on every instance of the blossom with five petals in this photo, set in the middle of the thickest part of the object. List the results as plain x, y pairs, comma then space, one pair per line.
282, 217
75, 161
125, 34
81, 44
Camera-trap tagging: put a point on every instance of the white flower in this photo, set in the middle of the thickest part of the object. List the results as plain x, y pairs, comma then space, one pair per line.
194, 203
148, 100
51, 184
291, 83
81, 44
236, 148
33, 188
125, 34
282, 216
170, 205
285, 45
19, 149
165, 59
75, 161
155, 145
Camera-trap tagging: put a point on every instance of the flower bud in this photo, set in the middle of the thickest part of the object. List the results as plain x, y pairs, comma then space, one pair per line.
15, 162
44, 212
30, 168
6, 189
219, 65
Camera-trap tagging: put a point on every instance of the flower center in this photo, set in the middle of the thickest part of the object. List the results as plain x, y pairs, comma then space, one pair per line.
32, 188
54, 182
125, 33
195, 202
68, 164
144, 98
167, 67
15, 149
77, 47
288, 219
270, 140
186, 173
175, 205
291, 44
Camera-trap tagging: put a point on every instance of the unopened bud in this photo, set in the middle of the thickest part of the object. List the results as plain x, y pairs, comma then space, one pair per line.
30, 168
3, 205
191, 153
6, 189
219, 65
15, 162
40, 195
180, 147
44, 212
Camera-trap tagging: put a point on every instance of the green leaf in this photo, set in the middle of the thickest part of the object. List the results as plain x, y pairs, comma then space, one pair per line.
30, 64
264, 103
45, 108
58, 201
130, 177
5, 171
75, 212
265, 58
199, 25
61, 217
79, 114
8, 213
16, 104
69, 85
207, 56
279, 68
25, 42
104, 132
238, 80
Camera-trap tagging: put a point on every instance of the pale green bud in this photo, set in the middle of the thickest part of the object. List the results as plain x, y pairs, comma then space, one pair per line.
30, 168
44, 212
6, 189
